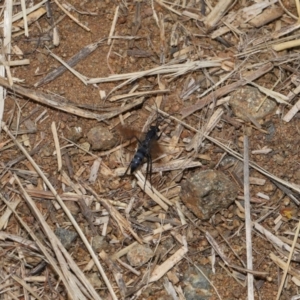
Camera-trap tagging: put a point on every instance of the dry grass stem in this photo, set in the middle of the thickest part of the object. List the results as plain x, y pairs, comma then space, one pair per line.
6, 215
292, 112
137, 94
287, 265
217, 13
115, 269
57, 146
162, 269
113, 25
162, 3
286, 45
26, 286
71, 16
171, 70
15, 63
77, 74
248, 224
61, 272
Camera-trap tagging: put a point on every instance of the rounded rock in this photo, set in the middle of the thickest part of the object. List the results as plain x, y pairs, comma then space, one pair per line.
101, 138
139, 255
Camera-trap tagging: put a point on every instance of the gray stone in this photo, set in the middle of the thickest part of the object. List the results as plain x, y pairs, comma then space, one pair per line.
94, 280
66, 236
101, 138
207, 192
139, 255
75, 134
246, 100
99, 243
197, 287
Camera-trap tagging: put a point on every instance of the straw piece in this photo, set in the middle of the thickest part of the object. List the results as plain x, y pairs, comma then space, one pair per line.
57, 147
19, 15
32, 17
270, 14
137, 94
248, 225
113, 25
172, 70
77, 74
280, 98
71, 16
14, 63
168, 264
292, 112
217, 13
7, 213
94, 170
287, 265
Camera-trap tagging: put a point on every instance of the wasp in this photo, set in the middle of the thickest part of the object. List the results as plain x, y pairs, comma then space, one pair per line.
144, 151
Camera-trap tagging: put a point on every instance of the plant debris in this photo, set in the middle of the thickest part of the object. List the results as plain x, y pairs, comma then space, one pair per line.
219, 81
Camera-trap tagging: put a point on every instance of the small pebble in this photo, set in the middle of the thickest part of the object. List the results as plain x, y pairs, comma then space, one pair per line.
139, 255
101, 138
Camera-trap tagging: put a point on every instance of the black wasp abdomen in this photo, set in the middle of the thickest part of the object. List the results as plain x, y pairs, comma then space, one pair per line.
138, 158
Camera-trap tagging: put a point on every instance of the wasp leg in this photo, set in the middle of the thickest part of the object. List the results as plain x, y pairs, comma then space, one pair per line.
126, 170
149, 171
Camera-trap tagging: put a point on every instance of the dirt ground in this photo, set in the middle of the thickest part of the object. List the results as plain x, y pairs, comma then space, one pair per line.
151, 47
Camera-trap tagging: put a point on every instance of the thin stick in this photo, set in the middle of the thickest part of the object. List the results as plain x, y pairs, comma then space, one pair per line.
287, 265
71, 16
77, 74
298, 8
113, 25
248, 225
57, 147
23, 6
